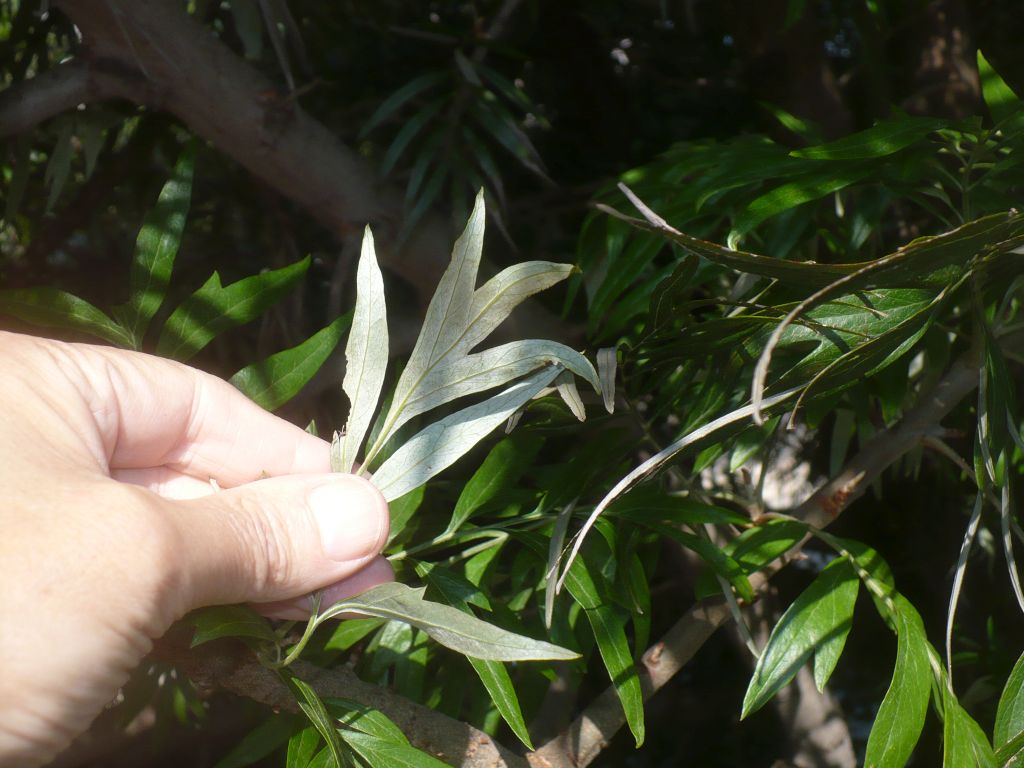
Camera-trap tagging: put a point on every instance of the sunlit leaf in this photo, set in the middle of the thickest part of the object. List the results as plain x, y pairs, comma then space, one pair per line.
273, 382
449, 626
366, 354
816, 624
445, 441
215, 308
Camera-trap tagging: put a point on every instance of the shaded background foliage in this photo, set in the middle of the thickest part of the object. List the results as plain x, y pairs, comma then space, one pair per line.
544, 105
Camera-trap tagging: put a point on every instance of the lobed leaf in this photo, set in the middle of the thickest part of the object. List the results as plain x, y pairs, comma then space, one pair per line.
816, 624
215, 308
445, 441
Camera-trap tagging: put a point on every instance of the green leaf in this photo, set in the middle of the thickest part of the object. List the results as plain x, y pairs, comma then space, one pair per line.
214, 308
445, 441
492, 674
651, 503
964, 743
452, 628
816, 624
365, 719
610, 634
581, 579
52, 308
797, 192
229, 621
501, 469
401, 97
259, 743
380, 752
273, 382
1010, 714
884, 138
366, 354
1000, 99
901, 716
302, 747
157, 246
309, 702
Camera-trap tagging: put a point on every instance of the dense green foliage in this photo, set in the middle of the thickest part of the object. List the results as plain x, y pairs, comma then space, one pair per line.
753, 294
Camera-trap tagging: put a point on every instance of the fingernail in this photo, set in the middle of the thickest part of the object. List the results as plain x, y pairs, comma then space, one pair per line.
352, 517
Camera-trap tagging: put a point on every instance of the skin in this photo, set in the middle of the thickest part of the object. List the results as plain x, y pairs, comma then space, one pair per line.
112, 529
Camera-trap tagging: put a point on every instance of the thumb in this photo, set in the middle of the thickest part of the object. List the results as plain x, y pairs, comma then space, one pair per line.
278, 538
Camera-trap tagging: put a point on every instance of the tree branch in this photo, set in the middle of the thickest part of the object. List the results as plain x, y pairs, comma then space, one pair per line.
448, 739
28, 103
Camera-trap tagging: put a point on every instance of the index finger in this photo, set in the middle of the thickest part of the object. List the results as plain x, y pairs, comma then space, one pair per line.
154, 412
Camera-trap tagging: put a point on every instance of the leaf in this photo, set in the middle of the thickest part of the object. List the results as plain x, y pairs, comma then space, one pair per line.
157, 246
401, 97
489, 369
964, 743
273, 382
503, 466
378, 752
410, 128
492, 674
1010, 714
364, 719
655, 504
259, 743
566, 387
302, 747
229, 621
660, 459
816, 624
901, 716
1000, 99
214, 308
52, 308
797, 192
445, 441
610, 635
59, 166
884, 138
366, 354
458, 319
309, 702
450, 627
606, 362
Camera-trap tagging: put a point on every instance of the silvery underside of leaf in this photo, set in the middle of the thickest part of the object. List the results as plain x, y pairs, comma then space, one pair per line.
443, 366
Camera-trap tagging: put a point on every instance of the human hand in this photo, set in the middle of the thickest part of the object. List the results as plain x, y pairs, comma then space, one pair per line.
111, 529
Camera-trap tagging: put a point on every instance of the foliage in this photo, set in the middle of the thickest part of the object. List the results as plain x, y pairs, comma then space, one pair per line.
760, 288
